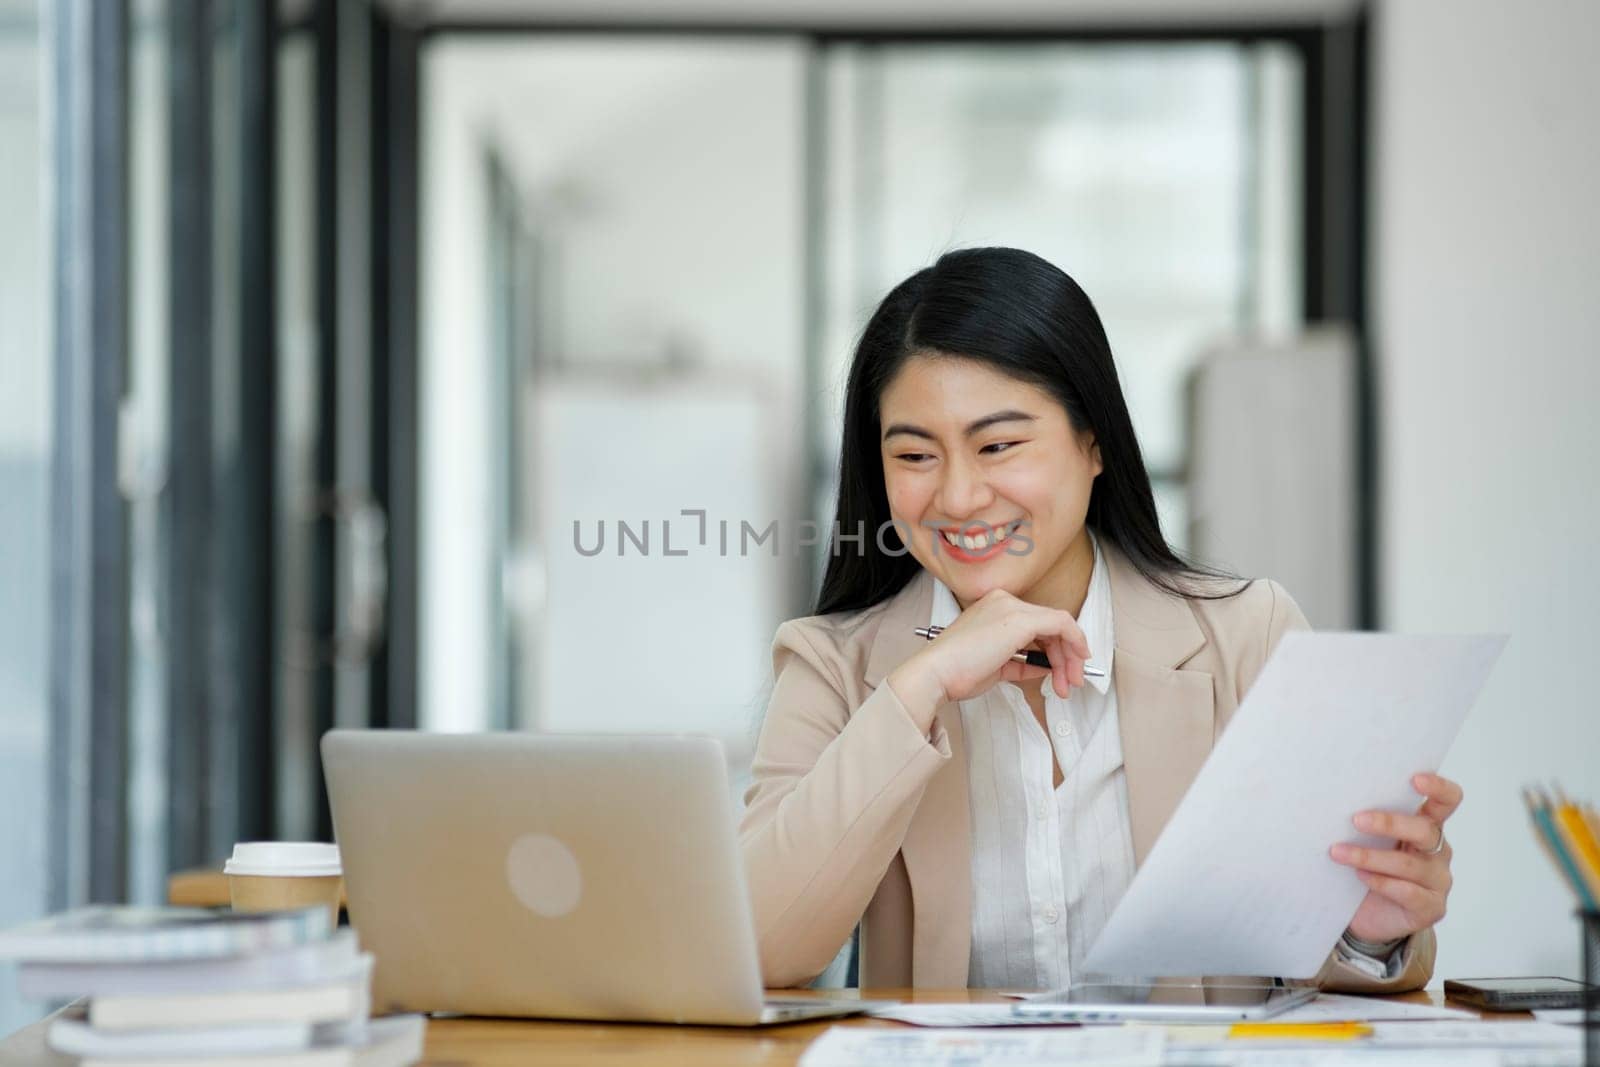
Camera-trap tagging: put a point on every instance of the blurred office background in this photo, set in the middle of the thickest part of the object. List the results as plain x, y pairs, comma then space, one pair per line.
334, 336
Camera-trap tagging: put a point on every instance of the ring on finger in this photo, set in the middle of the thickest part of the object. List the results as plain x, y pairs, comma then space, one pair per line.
1436, 849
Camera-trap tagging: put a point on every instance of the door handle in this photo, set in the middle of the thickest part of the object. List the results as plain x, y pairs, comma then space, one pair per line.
361, 583
361, 548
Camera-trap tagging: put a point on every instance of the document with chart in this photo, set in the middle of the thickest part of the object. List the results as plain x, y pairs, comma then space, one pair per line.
1240, 882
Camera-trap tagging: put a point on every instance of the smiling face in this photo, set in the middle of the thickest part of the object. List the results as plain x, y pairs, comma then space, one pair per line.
977, 466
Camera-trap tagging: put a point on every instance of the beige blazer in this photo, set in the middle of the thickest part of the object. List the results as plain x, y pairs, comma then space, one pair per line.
854, 815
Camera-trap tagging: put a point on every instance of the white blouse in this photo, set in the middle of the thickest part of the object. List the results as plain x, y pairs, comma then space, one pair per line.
1048, 864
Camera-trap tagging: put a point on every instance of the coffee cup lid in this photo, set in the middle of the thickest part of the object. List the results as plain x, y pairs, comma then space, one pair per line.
284, 859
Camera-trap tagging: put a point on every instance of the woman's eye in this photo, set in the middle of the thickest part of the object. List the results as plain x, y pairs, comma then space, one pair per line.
913, 457
998, 446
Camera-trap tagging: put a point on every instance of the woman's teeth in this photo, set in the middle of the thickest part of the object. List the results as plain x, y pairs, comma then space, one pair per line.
974, 543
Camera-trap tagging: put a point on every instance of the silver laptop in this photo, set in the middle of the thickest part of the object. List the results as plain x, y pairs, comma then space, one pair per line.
550, 876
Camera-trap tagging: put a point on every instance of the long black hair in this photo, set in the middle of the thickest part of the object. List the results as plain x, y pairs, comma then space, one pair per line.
1029, 320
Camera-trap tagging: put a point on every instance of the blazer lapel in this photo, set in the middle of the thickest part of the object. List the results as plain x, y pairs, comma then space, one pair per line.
937, 848
1167, 722
1166, 715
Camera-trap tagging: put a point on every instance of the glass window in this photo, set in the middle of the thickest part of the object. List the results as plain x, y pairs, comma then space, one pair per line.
1162, 177
25, 447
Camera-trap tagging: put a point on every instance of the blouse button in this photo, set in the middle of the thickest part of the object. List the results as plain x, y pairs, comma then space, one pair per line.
1051, 915
1062, 729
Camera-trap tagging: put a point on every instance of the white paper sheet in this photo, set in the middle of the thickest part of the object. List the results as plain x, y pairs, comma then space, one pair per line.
1351, 1056
954, 1015
1362, 1054
1570, 1016
1337, 1007
1502, 1034
1392, 1044
1240, 881
847, 1046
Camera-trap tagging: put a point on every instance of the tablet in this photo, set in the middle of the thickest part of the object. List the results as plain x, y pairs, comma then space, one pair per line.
1172, 1001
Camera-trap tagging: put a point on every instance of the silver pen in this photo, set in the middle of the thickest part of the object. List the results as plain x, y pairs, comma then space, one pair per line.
1032, 657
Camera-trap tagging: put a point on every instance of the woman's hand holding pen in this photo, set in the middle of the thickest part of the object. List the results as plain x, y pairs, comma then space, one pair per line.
974, 653
1407, 885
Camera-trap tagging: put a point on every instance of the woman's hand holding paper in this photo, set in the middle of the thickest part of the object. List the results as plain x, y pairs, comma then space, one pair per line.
1410, 883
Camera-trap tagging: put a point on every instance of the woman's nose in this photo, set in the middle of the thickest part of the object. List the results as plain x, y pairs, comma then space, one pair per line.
964, 491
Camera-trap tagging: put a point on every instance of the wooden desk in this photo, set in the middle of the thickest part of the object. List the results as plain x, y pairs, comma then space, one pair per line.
491, 1042
505, 1041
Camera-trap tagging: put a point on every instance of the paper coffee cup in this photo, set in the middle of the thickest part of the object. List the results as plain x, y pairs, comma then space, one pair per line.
284, 875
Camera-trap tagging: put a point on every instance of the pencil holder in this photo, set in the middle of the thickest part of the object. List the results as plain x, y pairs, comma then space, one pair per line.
1591, 996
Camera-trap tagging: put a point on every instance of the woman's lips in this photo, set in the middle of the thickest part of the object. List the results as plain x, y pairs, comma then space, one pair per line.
977, 543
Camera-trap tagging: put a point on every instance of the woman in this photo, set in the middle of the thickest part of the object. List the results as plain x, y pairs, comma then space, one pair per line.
981, 817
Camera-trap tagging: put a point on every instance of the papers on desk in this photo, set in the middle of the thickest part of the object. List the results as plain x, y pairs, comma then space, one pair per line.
1345, 1057
1240, 881
957, 1015
1505, 1034
1338, 1007
1395, 1035
1392, 1044
844, 1046
1328, 1007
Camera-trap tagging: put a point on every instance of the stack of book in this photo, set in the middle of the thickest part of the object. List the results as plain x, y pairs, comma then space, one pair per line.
152, 986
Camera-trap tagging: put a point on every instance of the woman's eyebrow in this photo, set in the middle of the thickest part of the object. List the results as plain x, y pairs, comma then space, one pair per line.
999, 416
975, 426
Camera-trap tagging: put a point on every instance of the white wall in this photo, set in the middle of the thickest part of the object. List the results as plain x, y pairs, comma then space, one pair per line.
1487, 247
663, 178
